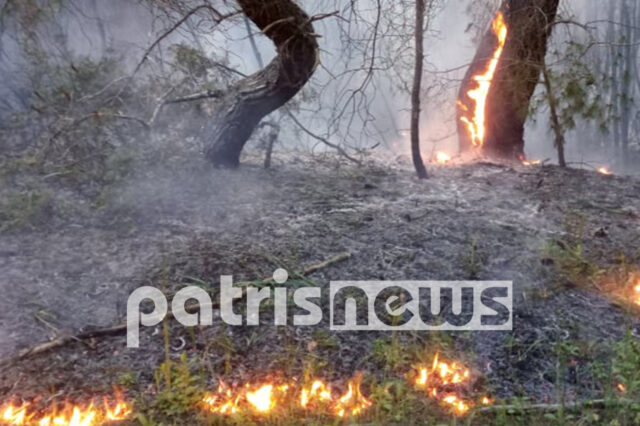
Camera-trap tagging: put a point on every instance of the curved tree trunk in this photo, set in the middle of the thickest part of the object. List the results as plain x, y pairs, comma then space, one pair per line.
254, 97
529, 24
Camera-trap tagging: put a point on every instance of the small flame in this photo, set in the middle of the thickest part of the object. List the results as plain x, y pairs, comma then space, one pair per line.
352, 402
318, 391
532, 162
440, 379
486, 400
223, 402
443, 158
622, 387
636, 290
604, 171
262, 398
15, 415
475, 119
459, 406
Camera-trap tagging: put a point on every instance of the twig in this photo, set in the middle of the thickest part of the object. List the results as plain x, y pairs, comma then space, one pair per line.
219, 18
335, 259
596, 403
197, 96
338, 148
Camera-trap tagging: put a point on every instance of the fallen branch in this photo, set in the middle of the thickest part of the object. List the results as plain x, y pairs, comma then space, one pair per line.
596, 403
122, 328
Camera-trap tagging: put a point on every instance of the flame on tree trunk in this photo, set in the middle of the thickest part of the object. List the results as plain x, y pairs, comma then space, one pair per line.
497, 88
252, 98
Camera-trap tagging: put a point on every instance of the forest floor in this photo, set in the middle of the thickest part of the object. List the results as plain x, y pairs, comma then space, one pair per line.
568, 239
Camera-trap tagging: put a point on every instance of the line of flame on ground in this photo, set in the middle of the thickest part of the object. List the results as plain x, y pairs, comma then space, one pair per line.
443, 382
474, 119
263, 398
68, 414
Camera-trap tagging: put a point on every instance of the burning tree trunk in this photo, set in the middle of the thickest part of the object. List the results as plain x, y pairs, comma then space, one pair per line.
254, 97
494, 97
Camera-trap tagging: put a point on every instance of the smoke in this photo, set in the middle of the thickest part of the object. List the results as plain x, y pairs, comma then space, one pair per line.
359, 95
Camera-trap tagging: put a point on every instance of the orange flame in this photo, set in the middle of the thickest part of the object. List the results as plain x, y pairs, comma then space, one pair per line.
262, 399
604, 171
440, 379
352, 402
317, 391
223, 402
636, 290
458, 404
15, 415
475, 119
70, 415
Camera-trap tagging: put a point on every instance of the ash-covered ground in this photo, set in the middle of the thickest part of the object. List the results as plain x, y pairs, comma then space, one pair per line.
75, 270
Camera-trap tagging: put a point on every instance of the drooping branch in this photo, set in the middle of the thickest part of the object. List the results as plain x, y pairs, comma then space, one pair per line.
249, 100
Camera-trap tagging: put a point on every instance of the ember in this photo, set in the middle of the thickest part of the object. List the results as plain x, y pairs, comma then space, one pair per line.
475, 119
443, 158
604, 171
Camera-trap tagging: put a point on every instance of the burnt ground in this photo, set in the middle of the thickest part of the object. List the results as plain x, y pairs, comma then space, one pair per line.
189, 226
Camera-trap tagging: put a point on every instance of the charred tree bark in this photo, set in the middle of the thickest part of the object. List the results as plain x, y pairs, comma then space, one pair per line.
415, 93
254, 97
529, 24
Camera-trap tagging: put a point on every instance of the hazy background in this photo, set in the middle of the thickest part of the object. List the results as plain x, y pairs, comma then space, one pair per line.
376, 115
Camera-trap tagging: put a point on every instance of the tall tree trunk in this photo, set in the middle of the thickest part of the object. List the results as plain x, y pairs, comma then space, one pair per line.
415, 93
614, 73
628, 59
254, 97
529, 24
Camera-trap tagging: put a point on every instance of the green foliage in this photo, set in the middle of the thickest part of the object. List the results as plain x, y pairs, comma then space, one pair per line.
193, 60
568, 256
179, 390
472, 260
626, 366
577, 86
